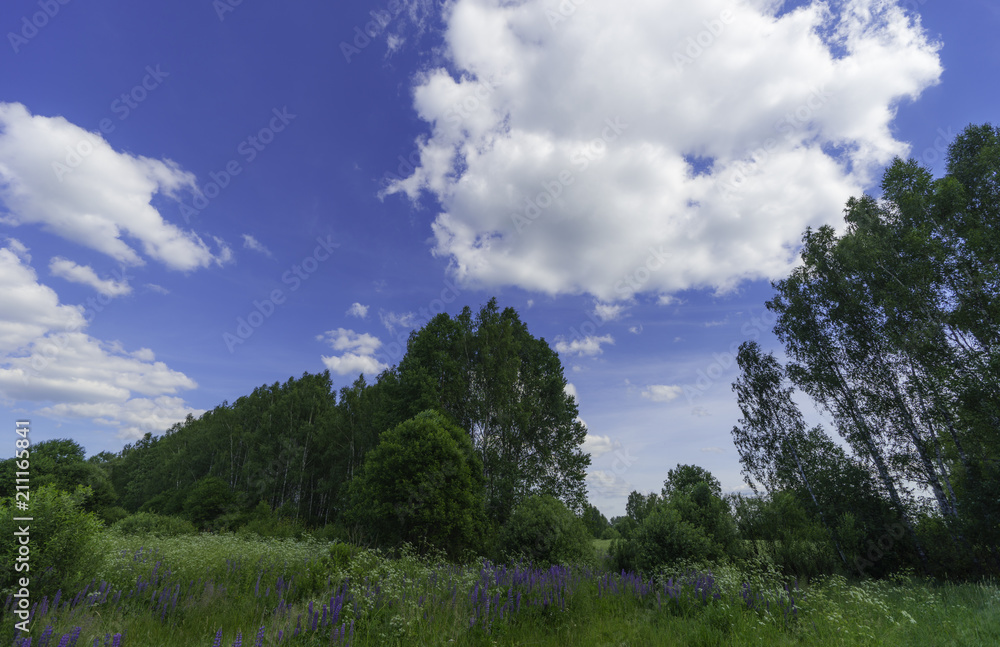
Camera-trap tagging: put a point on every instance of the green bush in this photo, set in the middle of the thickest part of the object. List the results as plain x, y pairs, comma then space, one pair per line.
142, 523
422, 484
546, 532
209, 498
663, 538
60, 540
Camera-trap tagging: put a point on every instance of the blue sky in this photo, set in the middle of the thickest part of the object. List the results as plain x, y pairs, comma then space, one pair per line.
197, 198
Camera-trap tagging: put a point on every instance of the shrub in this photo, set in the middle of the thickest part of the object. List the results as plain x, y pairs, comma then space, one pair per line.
663, 538
422, 484
209, 498
61, 536
143, 523
546, 532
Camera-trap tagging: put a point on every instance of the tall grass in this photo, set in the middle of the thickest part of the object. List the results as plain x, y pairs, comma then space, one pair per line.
223, 590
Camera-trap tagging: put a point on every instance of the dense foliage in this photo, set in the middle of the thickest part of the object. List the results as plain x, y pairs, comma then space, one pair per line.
543, 531
422, 484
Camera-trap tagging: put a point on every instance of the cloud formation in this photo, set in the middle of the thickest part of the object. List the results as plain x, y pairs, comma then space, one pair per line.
662, 392
67, 269
72, 183
46, 356
654, 146
359, 356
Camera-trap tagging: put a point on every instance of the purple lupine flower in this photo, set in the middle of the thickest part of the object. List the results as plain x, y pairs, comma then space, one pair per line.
239, 640
75, 635
260, 637
116, 641
218, 638
46, 636
64, 641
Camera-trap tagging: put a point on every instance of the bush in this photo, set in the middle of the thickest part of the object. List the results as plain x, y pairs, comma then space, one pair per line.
546, 532
663, 538
422, 484
61, 534
209, 498
149, 523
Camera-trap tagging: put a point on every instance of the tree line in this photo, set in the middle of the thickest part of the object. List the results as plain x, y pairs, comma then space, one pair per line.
890, 327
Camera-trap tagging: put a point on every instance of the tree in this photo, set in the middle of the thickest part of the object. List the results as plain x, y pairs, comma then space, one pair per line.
421, 484
506, 389
543, 530
893, 327
597, 524
684, 477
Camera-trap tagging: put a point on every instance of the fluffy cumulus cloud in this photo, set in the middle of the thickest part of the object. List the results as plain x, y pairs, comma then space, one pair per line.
598, 446
358, 352
657, 145
357, 310
662, 392
75, 185
67, 269
584, 346
46, 356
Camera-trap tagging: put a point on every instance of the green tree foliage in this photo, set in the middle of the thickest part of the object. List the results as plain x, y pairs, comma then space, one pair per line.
893, 328
597, 524
60, 534
60, 463
422, 484
690, 521
208, 499
684, 477
506, 389
543, 530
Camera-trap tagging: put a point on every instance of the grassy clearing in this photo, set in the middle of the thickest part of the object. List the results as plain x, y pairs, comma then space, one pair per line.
192, 590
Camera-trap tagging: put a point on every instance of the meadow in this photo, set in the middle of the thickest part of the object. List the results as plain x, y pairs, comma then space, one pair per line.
223, 590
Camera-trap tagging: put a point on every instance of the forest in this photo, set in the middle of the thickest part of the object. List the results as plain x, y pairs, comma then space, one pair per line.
470, 448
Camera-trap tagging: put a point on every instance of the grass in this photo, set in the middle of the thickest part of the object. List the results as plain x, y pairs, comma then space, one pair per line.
188, 590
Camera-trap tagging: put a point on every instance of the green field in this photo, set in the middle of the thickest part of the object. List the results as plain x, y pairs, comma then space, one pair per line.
184, 590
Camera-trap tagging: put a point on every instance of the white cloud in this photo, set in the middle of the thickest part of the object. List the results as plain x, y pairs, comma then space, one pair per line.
635, 330
391, 320
67, 269
358, 310
45, 356
631, 181
589, 345
359, 356
598, 446
249, 242
608, 311
607, 484
662, 392
75, 185
570, 389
